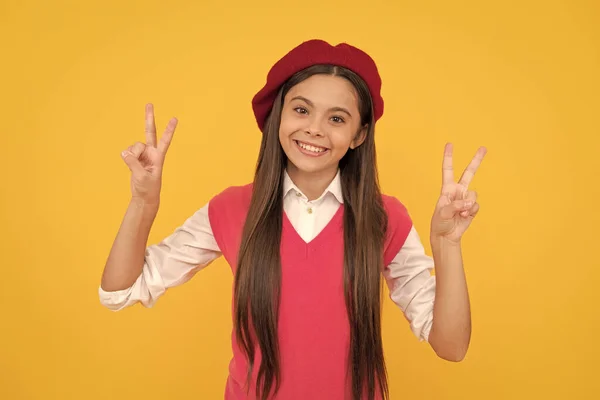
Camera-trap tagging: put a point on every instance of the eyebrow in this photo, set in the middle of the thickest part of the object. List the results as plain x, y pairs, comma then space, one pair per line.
310, 103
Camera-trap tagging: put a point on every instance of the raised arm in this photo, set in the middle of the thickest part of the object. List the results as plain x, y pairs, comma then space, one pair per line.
135, 272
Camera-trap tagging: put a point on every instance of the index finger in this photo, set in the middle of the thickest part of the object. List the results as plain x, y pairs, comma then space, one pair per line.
150, 126
469, 172
447, 169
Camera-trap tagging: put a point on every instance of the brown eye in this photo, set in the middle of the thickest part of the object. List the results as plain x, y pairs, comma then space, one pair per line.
337, 119
300, 110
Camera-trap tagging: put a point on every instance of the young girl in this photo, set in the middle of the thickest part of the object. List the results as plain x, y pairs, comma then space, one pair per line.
309, 241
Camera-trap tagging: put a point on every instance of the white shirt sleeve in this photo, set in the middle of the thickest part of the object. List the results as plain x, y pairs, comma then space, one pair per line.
172, 262
412, 285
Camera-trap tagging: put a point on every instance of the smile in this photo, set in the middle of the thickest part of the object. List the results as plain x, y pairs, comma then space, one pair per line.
311, 150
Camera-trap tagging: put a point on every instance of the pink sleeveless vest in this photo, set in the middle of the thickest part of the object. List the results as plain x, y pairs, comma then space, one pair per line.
313, 324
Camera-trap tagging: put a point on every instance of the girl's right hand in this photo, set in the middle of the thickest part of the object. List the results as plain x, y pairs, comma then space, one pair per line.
145, 161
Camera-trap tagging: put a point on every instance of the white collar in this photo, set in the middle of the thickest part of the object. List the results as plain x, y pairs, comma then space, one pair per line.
335, 187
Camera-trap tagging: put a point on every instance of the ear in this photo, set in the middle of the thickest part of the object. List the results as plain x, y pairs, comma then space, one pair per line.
360, 137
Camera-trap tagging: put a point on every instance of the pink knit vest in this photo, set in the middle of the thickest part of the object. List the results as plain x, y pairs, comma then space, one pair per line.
313, 325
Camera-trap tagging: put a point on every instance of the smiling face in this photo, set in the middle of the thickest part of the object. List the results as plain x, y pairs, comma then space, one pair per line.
320, 122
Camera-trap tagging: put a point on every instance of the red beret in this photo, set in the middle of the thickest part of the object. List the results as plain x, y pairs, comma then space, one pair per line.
317, 52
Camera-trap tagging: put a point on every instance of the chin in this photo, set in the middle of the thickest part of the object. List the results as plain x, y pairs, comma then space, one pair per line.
306, 166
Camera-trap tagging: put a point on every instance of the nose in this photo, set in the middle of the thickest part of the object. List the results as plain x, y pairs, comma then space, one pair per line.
314, 127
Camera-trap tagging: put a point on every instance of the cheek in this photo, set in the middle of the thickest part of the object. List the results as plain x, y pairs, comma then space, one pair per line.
341, 141
289, 126
284, 136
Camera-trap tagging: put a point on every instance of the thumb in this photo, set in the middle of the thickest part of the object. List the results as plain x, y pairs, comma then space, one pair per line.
450, 210
132, 162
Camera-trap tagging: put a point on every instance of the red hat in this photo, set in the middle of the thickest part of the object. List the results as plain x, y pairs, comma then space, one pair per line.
314, 52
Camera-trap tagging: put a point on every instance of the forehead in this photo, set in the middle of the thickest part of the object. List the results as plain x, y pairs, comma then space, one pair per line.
326, 91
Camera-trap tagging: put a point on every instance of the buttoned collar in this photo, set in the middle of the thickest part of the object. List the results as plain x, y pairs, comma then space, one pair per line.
335, 187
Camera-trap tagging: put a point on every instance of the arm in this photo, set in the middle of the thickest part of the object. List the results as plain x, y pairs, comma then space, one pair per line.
134, 273
412, 285
145, 274
432, 304
451, 330
126, 257
455, 210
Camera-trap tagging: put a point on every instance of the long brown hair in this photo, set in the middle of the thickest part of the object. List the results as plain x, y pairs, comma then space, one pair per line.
258, 276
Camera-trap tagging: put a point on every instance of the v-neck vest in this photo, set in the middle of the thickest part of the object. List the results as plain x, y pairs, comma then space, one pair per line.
313, 327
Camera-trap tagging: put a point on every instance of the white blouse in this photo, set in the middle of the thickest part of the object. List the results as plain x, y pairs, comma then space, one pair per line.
192, 246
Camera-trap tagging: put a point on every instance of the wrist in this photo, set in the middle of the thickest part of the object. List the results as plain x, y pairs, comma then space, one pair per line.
442, 242
148, 206
447, 255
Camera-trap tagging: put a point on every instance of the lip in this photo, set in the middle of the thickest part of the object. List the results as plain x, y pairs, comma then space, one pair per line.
310, 153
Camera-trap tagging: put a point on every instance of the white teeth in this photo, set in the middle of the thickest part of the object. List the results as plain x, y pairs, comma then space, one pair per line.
311, 148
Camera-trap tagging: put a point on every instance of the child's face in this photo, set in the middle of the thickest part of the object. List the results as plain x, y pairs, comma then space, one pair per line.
320, 121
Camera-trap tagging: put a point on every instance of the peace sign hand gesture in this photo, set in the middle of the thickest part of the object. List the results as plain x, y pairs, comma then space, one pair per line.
457, 205
146, 160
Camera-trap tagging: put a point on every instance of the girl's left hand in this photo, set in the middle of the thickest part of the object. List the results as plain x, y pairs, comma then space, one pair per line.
457, 205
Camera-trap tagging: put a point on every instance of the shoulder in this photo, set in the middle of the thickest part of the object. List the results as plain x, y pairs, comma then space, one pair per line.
227, 211
394, 208
233, 195
399, 225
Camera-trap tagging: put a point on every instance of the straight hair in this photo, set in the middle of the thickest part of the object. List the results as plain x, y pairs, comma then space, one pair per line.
257, 282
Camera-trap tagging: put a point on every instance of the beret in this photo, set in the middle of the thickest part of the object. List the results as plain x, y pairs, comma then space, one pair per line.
314, 52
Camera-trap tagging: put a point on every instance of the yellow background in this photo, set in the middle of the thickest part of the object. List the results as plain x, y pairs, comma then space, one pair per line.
520, 77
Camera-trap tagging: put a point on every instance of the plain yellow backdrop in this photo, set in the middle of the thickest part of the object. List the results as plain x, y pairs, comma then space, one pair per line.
520, 77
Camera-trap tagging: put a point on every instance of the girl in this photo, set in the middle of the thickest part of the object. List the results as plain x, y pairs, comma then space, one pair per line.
309, 241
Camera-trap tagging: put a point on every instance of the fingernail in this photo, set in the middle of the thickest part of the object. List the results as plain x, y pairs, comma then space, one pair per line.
468, 204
